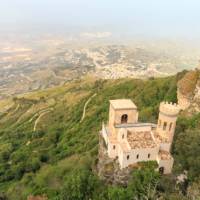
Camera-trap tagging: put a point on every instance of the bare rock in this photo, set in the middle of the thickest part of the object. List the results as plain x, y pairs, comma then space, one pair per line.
188, 92
108, 169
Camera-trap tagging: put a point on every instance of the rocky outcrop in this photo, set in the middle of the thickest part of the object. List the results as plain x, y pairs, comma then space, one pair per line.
196, 99
108, 169
188, 91
38, 197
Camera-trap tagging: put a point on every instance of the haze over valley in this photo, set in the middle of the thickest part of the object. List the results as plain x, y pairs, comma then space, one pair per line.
31, 62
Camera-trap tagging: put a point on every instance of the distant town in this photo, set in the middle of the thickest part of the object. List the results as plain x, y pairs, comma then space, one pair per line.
43, 62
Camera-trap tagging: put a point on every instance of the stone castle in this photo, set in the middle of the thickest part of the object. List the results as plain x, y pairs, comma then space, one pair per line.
129, 141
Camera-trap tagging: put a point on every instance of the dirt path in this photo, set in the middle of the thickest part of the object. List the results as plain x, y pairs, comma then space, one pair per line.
35, 115
85, 106
39, 117
5, 109
16, 109
22, 115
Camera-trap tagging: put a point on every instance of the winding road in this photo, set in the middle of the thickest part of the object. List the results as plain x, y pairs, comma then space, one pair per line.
85, 106
39, 117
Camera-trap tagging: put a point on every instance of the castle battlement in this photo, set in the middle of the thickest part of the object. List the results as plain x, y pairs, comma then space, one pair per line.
169, 108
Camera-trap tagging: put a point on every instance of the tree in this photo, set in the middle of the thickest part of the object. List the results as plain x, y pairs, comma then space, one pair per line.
80, 185
117, 193
144, 183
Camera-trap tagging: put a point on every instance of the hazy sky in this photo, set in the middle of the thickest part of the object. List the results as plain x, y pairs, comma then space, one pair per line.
145, 17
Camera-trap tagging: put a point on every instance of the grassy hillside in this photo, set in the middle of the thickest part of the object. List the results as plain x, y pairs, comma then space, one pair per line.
43, 142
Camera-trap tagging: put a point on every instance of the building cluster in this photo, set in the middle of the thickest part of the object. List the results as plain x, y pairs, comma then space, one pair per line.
130, 141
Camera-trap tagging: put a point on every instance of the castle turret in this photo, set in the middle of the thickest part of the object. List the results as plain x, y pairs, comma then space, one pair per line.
167, 119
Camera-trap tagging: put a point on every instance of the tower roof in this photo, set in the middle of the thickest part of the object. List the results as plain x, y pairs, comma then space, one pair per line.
123, 104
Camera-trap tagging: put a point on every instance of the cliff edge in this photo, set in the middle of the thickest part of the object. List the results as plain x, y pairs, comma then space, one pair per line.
188, 91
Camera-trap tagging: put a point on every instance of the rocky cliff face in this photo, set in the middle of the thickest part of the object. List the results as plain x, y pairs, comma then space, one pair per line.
188, 92
196, 99
108, 169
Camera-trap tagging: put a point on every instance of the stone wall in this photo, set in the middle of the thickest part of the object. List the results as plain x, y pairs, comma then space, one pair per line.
147, 154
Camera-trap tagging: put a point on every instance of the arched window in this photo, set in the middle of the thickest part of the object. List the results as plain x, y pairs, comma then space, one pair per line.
113, 146
149, 155
123, 136
164, 126
170, 126
128, 157
137, 156
124, 119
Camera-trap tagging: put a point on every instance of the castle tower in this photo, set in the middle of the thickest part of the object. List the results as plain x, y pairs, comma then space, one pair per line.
167, 119
122, 111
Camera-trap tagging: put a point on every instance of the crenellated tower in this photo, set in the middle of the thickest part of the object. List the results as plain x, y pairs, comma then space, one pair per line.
167, 119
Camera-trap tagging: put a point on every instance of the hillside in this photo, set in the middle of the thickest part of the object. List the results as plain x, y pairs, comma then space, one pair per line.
45, 142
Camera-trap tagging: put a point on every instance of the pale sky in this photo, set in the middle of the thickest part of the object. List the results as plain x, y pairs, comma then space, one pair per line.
145, 17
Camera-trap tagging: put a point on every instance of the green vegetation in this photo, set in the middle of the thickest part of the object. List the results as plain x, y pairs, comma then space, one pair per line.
59, 157
187, 146
84, 185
